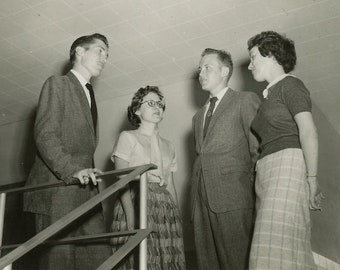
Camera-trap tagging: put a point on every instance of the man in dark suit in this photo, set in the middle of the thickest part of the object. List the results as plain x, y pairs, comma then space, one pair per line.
65, 133
222, 182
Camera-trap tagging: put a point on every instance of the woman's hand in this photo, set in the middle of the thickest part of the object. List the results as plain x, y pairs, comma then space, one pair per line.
315, 194
163, 182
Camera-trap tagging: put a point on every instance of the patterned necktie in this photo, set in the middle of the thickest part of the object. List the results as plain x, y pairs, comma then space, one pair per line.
93, 106
209, 115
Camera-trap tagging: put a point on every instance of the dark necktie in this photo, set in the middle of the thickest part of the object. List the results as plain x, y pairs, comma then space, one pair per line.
209, 115
93, 106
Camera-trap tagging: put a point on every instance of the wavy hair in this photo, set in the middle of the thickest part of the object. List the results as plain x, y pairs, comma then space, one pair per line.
271, 43
137, 102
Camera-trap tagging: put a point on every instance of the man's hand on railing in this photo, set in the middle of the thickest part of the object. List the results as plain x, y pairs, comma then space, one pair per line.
85, 175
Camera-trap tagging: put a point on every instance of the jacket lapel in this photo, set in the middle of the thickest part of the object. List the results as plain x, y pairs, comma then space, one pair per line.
227, 98
84, 104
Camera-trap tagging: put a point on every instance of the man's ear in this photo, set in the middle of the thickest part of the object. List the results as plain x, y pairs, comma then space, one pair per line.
80, 51
225, 71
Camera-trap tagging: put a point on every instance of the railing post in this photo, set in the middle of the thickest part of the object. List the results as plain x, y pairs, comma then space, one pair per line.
143, 256
2, 219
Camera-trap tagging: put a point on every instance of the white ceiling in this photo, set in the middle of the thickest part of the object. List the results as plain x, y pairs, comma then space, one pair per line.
159, 42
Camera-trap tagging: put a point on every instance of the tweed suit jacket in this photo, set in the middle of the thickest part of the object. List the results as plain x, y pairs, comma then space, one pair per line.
66, 141
225, 157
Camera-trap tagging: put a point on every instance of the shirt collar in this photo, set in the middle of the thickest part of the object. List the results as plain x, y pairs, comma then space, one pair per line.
220, 94
273, 82
81, 79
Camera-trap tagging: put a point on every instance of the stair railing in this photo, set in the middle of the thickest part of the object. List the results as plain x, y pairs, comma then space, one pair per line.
41, 237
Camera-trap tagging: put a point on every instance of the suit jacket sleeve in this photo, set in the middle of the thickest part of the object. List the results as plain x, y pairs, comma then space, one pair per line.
48, 130
249, 108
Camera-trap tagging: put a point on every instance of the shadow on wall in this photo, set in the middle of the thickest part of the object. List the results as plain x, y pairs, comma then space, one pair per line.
197, 98
108, 166
124, 125
66, 67
326, 224
247, 82
29, 148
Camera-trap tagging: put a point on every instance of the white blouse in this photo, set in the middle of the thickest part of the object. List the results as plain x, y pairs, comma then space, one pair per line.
137, 147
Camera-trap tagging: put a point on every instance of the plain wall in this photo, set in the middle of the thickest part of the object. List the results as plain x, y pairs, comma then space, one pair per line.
183, 99
326, 224
17, 151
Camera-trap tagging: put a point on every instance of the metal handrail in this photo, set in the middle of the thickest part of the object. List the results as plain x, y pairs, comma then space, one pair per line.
76, 213
60, 183
83, 239
124, 250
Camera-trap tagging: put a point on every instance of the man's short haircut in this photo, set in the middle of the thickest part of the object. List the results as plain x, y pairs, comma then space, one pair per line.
223, 56
85, 41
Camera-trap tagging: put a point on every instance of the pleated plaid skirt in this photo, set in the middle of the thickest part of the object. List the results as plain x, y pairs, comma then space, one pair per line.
282, 234
165, 246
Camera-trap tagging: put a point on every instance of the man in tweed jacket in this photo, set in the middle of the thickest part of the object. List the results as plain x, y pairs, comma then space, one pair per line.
222, 182
66, 138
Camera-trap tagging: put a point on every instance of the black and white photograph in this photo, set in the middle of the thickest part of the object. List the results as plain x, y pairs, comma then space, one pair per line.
169, 134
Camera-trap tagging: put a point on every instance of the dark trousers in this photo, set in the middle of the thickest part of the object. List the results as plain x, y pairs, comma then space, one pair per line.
73, 257
222, 239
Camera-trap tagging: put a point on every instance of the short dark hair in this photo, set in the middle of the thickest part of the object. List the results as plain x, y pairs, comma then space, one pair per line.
271, 43
137, 102
223, 56
85, 41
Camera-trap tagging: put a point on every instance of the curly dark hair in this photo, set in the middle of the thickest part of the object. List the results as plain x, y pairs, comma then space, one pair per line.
137, 102
85, 41
271, 43
223, 56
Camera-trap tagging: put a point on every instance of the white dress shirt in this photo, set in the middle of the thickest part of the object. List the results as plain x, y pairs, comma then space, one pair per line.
219, 96
83, 83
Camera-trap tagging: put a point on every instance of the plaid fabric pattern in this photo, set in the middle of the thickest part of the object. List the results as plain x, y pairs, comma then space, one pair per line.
165, 245
282, 229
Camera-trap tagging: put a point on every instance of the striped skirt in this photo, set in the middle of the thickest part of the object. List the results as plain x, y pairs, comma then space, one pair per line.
282, 234
165, 243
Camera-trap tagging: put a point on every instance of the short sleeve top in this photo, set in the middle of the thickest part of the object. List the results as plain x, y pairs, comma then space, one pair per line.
274, 123
137, 149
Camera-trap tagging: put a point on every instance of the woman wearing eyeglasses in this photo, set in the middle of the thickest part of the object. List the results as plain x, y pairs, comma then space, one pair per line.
142, 146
